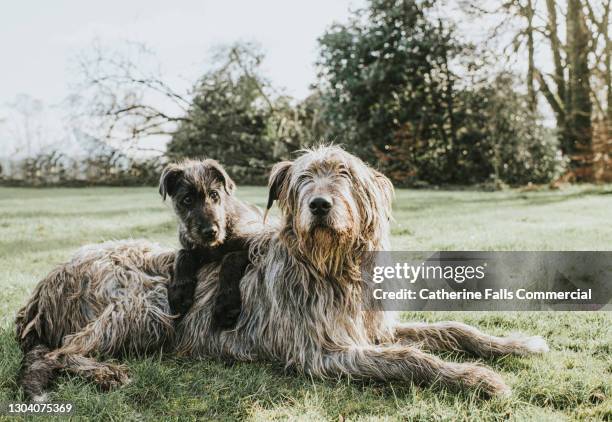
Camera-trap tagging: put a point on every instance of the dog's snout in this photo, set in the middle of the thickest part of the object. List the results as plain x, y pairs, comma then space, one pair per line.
320, 206
209, 233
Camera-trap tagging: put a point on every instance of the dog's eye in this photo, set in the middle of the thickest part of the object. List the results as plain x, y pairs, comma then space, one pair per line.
187, 201
345, 173
214, 195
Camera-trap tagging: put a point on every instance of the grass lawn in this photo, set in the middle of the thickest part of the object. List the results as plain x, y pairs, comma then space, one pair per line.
41, 227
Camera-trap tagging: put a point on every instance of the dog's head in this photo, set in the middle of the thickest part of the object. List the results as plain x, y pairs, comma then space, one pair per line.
333, 203
199, 192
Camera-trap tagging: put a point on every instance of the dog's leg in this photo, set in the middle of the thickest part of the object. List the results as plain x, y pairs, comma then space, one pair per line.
106, 336
105, 374
228, 301
181, 287
409, 364
41, 366
456, 336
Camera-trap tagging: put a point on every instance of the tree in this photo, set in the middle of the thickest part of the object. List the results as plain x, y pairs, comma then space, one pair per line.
121, 95
559, 100
569, 88
572, 100
231, 113
392, 92
580, 108
510, 142
229, 116
527, 10
598, 13
389, 86
598, 19
297, 126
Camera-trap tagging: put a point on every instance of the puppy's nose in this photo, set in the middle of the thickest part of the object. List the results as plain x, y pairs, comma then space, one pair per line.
209, 233
320, 206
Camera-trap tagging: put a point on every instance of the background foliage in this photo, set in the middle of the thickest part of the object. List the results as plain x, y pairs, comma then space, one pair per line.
393, 88
399, 86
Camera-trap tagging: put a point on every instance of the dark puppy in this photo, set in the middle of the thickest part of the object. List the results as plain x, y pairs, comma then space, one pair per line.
213, 225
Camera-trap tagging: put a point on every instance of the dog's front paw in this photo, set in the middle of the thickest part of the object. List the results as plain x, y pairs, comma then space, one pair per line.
484, 380
225, 318
180, 297
524, 345
111, 376
536, 344
181, 306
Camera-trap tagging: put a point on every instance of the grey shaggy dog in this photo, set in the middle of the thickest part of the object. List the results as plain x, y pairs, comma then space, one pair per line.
302, 296
108, 300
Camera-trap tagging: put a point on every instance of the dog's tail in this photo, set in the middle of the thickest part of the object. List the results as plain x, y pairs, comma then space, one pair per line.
28, 323
37, 370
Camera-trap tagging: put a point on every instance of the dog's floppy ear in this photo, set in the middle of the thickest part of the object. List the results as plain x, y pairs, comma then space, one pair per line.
278, 177
169, 180
222, 176
384, 184
386, 189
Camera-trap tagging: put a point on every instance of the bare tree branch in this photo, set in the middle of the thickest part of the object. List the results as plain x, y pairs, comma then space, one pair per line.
555, 102
236, 56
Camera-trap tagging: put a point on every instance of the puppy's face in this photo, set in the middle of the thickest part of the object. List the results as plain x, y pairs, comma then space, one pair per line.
199, 192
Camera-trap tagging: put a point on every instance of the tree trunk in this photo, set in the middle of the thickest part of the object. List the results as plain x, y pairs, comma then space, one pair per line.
531, 94
607, 60
558, 100
580, 132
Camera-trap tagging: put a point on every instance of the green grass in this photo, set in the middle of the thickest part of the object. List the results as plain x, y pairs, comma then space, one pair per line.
41, 227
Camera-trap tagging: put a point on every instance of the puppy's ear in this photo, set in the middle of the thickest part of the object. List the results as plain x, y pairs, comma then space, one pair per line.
278, 177
222, 176
169, 180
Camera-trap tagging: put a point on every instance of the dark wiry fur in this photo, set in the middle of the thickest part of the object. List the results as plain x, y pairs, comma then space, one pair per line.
212, 223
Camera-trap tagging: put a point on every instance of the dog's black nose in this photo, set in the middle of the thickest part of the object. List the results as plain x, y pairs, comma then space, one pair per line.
209, 233
320, 206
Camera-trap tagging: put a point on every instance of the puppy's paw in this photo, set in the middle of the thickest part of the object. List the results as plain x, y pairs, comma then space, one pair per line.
180, 296
225, 318
180, 304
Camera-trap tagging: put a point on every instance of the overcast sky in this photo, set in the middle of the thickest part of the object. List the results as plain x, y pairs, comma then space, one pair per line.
39, 39
39, 42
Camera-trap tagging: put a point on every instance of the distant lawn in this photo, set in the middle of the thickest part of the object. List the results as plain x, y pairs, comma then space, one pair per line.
42, 227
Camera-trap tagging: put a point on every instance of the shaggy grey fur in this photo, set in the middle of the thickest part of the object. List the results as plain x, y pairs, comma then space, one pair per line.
302, 296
